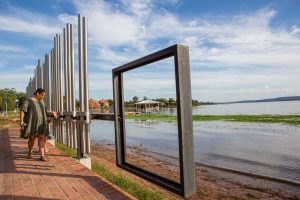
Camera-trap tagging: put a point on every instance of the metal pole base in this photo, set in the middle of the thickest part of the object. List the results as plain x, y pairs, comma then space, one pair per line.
86, 161
51, 141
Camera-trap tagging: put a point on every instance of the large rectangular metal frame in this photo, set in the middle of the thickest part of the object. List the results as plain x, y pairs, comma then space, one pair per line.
187, 185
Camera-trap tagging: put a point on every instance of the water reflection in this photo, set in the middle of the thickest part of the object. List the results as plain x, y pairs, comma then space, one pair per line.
266, 149
271, 108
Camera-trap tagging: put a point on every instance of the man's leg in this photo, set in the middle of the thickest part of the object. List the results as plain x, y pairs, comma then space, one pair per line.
30, 144
46, 148
41, 139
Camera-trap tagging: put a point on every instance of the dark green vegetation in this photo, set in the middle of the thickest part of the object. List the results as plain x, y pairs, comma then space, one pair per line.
285, 119
11, 99
130, 186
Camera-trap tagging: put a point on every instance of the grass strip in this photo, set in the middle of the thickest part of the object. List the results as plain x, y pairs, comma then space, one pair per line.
130, 186
285, 119
10, 121
69, 151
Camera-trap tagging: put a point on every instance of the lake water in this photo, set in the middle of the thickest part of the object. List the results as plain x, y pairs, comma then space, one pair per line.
266, 149
272, 108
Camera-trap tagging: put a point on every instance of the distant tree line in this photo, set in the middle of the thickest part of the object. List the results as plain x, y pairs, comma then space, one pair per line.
168, 103
14, 99
11, 99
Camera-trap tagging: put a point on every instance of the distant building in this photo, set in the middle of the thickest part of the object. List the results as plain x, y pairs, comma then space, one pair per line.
148, 106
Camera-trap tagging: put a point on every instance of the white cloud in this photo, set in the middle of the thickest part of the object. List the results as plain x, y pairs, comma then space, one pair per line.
240, 51
20, 20
243, 39
15, 24
11, 49
15, 79
106, 26
30, 67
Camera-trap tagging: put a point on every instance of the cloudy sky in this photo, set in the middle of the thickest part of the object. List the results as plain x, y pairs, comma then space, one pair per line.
239, 49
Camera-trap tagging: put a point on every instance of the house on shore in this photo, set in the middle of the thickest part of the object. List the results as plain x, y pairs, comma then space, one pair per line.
148, 106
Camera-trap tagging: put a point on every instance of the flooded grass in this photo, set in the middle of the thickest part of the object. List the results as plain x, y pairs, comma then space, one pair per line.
285, 119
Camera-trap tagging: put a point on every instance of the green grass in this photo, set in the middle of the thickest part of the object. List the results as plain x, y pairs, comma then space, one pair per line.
130, 186
126, 184
285, 119
69, 151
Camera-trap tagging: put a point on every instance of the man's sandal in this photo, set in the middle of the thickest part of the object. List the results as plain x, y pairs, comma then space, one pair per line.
42, 158
29, 155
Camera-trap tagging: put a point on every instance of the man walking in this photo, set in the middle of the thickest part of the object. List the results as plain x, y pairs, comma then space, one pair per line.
33, 116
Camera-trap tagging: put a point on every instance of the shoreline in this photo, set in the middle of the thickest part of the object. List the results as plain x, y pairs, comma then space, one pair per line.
292, 120
231, 170
211, 181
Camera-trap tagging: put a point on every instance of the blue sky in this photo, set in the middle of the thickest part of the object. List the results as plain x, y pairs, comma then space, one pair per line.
238, 49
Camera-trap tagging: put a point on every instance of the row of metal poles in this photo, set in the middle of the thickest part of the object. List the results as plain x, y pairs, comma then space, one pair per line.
72, 128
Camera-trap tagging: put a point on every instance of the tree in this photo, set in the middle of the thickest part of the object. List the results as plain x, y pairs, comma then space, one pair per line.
145, 98
8, 99
172, 102
135, 99
164, 102
11, 99
21, 96
111, 102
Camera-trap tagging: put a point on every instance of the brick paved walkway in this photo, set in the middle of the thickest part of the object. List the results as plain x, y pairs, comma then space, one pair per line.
61, 177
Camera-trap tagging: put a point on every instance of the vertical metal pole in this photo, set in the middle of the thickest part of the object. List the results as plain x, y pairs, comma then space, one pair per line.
85, 65
52, 89
60, 73
30, 89
44, 82
72, 71
86, 82
35, 81
58, 86
55, 88
66, 80
52, 80
66, 68
38, 83
54, 76
65, 74
47, 85
72, 87
48, 77
80, 54
81, 143
40, 74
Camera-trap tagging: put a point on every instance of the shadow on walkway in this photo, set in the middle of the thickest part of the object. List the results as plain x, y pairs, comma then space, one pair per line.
61, 177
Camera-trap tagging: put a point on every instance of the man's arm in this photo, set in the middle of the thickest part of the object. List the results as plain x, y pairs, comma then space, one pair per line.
22, 118
52, 114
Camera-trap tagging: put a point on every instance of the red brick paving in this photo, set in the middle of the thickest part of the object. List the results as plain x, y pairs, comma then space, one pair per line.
61, 177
